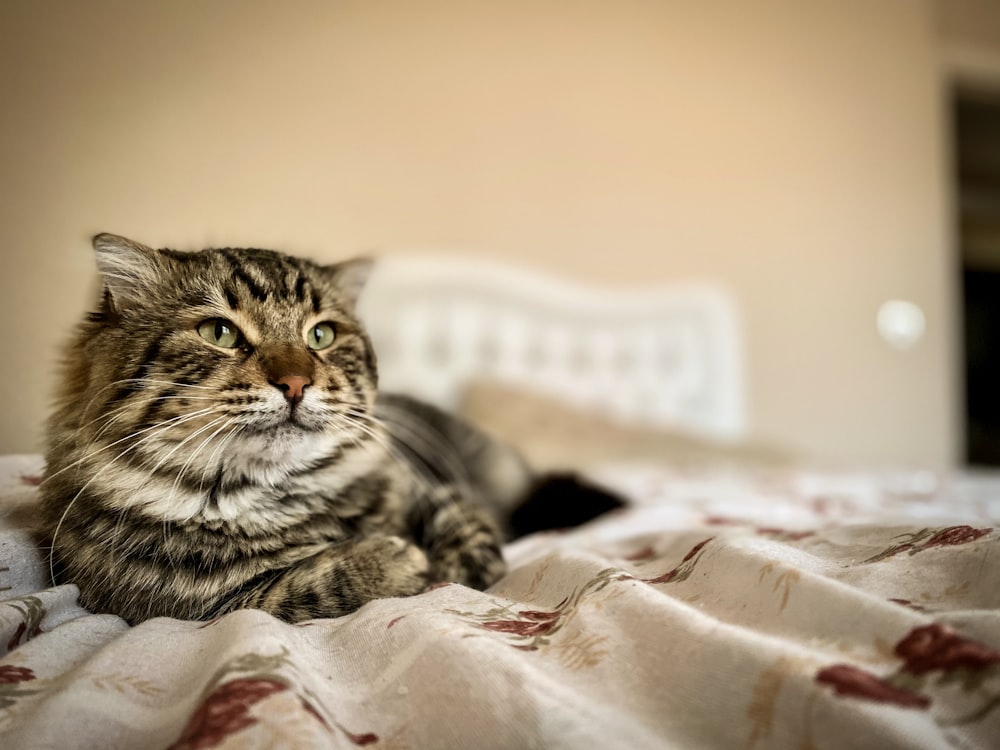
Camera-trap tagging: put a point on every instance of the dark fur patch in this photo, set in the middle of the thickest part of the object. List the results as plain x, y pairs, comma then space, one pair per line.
561, 500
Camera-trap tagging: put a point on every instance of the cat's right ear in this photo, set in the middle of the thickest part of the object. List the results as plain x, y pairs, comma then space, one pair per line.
350, 277
130, 269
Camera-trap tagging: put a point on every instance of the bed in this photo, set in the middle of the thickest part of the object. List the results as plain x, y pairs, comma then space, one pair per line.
741, 600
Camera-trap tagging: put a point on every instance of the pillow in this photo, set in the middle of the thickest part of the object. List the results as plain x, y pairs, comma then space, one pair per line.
556, 437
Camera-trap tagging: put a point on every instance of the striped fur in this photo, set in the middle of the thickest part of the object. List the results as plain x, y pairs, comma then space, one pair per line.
183, 479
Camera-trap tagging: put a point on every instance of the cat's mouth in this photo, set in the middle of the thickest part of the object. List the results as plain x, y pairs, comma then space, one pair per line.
296, 419
291, 419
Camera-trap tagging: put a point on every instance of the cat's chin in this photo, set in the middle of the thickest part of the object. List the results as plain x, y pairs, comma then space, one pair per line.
286, 425
285, 441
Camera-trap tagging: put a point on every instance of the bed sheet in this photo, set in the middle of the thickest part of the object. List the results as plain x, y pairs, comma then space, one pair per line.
755, 610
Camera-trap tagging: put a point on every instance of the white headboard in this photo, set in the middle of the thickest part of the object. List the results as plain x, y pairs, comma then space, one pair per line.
669, 355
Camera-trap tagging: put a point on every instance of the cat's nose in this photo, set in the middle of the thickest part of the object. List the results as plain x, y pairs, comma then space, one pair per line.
293, 386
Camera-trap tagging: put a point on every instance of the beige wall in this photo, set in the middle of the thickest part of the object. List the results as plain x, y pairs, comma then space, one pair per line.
793, 149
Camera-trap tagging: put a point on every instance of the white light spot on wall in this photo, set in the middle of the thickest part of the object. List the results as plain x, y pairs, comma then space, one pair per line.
900, 323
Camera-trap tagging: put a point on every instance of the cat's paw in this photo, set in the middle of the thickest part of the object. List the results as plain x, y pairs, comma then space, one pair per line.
390, 566
472, 558
478, 566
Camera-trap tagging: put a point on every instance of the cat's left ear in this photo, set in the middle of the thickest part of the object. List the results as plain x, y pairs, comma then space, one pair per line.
350, 277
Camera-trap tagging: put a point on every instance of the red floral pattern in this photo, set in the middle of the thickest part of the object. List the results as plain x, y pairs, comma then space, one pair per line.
12, 687
11, 675
19, 635
857, 683
682, 571
32, 612
225, 711
784, 535
955, 535
938, 647
645, 553
532, 624
779, 534
537, 626
928, 538
924, 651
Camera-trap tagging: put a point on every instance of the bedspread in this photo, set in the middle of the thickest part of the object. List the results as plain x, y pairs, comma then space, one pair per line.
768, 610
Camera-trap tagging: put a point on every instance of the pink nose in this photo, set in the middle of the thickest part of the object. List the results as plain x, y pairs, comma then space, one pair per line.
293, 386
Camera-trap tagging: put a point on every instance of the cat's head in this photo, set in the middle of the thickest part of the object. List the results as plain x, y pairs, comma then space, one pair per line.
193, 356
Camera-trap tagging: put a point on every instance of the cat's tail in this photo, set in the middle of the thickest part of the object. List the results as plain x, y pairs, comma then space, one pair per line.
558, 501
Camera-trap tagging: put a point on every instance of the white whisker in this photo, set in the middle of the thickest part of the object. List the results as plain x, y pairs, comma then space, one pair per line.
150, 381
180, 419
206, 441
163, 427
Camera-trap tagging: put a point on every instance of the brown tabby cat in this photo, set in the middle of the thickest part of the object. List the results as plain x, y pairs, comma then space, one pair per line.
218, 444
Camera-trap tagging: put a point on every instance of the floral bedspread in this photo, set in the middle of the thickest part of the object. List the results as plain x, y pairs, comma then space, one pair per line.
755, 611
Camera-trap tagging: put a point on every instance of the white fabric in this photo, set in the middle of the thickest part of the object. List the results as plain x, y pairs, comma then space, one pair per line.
759, 611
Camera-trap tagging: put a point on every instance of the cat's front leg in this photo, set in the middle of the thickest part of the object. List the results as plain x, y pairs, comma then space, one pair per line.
461, 539
338, 580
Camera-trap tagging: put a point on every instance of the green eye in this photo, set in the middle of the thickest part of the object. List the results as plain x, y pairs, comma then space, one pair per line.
321, 336
220, 332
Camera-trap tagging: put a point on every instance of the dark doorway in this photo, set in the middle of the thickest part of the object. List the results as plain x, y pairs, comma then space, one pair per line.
977, 137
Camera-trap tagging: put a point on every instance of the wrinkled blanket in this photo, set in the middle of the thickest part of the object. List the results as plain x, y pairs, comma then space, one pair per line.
756, 611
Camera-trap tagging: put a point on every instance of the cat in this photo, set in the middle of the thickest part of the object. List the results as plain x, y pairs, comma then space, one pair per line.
219, 442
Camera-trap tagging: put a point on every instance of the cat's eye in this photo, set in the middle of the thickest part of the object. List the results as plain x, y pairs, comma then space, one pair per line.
220, 332
321, 336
